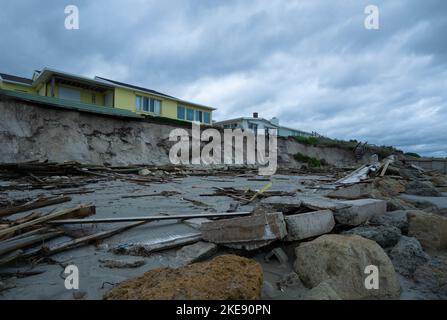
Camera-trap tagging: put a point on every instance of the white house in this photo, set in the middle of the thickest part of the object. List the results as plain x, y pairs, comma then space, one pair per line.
258, 125
261, 125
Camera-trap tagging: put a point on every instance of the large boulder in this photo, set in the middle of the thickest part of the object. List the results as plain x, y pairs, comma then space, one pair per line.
385, 235
421, 188
429, 228
341, 261
224, 277
323, 291
396, 219
433, 276
389, 187
407, 255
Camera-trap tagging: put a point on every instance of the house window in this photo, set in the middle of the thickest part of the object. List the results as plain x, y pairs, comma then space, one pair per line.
199, 116
148, 104
145, 104
181, 112
190, 114
139, 103
206, 117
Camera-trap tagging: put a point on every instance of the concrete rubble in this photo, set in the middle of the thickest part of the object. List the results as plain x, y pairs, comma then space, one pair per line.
310, 224
359, 211
262, 228
196, 252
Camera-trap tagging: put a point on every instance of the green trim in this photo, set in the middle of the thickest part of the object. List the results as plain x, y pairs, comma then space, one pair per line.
71, 105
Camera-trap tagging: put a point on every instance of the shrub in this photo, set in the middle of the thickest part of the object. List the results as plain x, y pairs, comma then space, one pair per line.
412, 154
310, 141
312, 162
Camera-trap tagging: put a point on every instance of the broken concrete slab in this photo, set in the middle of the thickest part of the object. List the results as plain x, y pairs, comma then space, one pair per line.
196, 223
322, 203
261, 227
309, 224
279, 254
357, 212
288, 200
196, 252
122, 263
352, 192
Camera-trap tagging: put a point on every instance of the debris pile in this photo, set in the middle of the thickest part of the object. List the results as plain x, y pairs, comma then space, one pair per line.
326, 232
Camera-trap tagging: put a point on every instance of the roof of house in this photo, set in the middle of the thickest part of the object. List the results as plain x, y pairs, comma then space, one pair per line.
47, 73
135, 87
293, 129
11, 78
246, 118
131, 86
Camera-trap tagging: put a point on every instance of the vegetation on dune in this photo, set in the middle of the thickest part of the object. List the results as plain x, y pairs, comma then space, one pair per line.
312, 162
381, 151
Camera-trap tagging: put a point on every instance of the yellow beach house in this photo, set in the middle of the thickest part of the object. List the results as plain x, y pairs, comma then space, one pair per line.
106, 93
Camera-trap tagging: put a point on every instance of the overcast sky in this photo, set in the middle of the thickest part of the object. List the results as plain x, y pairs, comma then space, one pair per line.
310, 63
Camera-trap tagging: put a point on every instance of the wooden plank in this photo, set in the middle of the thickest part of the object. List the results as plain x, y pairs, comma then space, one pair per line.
38, 203
29, 233
385, 167
150, 218
145, 249
80, 210
10, 257
9, 246
85, 240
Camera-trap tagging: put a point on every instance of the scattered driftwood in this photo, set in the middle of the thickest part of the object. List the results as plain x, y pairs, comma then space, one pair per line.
10, 257
83, 210
161, 194
145, 249
11, 245
246, 195
385, 167
47, 251
260, 192
150, 218
196, 202
38, 203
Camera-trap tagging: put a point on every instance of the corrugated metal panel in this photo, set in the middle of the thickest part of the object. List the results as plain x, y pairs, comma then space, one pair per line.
70, 105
